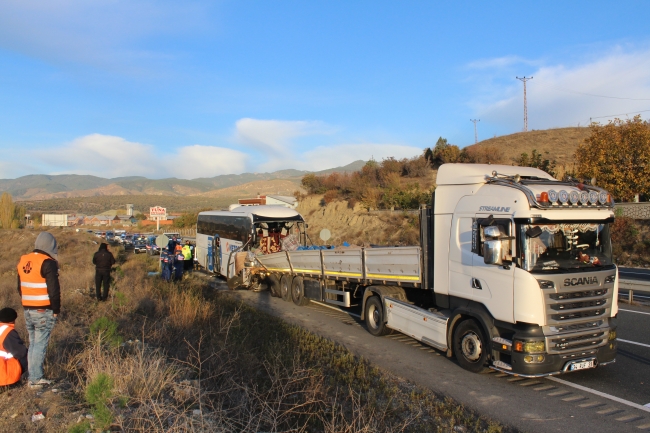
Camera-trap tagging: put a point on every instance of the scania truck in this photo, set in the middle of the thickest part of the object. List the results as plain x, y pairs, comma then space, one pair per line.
514, 272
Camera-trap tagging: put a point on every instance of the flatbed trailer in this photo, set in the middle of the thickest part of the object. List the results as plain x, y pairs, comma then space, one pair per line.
510, 274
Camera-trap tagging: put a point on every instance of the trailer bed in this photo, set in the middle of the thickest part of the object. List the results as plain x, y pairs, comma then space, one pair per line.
401, 265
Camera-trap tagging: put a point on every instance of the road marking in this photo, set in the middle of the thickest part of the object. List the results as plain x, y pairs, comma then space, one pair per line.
337, 309
601, 394
634, 342
632, 311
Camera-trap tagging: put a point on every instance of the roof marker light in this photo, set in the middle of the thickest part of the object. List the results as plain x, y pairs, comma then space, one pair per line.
552, 195
602, 197
593, 197
543, 198
584, 197
563, 196
574, 196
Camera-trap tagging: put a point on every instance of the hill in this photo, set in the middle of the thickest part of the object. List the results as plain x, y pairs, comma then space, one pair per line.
44, 187
560, 143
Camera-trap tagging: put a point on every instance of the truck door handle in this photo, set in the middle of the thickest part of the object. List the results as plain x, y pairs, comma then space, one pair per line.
476, 284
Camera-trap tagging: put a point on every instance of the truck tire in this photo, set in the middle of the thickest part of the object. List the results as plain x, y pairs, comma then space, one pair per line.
298, 292
470, 347
285, 287
274, 285
375, 317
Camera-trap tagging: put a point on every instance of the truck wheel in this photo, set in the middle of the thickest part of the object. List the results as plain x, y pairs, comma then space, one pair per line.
274, 285
375, 317
470, 347
298, 292
285, 287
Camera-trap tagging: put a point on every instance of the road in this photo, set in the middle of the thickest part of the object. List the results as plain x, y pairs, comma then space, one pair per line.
607, 399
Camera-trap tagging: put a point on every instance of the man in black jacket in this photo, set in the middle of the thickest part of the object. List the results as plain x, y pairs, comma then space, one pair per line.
103, 261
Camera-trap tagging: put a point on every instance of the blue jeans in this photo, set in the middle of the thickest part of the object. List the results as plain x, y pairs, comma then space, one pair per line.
39, 327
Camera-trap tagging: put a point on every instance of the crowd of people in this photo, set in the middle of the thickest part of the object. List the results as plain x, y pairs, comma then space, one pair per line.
176, 259
40, 294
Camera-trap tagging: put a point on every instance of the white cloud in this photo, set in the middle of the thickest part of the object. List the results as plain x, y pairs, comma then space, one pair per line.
500, 62
565, 95
111, 156
324, 157
100, 33
208, 161
272, 136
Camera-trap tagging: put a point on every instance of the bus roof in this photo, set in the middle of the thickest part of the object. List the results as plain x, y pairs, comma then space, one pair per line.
275, 212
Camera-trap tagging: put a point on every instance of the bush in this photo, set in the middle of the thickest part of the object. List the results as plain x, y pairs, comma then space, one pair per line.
106, 330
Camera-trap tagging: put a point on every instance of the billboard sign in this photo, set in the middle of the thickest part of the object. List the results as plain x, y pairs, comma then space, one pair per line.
157, 212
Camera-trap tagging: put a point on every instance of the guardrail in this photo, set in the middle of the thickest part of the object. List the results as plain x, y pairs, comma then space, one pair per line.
633, 286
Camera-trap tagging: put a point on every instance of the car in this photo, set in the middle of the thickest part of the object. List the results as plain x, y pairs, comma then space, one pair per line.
152, 248
139, 246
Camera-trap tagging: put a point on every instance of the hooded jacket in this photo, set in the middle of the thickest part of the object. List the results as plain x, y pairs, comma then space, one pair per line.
103, 259
46, 244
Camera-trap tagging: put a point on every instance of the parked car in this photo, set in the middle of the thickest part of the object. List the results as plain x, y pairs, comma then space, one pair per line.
140, 246
152, 248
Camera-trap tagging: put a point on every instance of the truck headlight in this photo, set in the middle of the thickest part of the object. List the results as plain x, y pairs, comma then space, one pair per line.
529, 346
533, 359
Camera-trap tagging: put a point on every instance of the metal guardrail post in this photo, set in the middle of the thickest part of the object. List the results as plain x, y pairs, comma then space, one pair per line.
630, 296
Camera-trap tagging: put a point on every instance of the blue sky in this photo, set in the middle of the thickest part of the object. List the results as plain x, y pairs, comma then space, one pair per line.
197, 89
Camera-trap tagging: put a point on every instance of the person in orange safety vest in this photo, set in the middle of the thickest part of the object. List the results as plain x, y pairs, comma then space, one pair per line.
38, 285
13, 353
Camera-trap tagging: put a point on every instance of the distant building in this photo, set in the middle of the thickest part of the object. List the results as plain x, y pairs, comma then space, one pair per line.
129, 210
261, 200
54, 220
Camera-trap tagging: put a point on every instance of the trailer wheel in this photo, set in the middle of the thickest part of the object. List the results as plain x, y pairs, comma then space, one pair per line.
375, 317
285, 287
470, 347
274, 285
298, 292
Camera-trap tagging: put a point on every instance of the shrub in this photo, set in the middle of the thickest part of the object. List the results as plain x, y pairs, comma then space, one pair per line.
106, 330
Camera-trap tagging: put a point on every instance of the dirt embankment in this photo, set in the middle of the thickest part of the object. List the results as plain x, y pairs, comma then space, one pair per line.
357, 225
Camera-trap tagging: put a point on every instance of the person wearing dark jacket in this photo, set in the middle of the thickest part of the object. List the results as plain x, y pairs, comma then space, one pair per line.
13, 352
103, 261
38, 286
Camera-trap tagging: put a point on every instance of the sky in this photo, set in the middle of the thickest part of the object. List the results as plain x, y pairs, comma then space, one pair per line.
204, 88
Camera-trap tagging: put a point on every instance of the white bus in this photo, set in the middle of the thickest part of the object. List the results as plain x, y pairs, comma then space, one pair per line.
220, 234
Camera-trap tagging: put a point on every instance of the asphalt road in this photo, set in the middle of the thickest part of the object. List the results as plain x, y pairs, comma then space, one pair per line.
607, 399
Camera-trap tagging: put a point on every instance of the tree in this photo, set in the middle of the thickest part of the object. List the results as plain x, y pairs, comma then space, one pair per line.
7, 210
618, 156
535, 160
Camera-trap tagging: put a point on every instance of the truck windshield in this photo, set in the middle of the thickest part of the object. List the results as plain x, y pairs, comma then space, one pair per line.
566, 247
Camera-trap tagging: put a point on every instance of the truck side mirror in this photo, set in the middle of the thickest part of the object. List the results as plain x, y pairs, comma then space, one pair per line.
492, 252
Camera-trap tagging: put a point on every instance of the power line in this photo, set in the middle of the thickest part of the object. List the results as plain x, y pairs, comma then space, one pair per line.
621, 114
523, 80
597, 96
475, 133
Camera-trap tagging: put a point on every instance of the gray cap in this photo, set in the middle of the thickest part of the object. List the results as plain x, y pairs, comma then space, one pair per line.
47, 243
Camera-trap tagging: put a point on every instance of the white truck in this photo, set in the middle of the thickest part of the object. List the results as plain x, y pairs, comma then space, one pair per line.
514, 273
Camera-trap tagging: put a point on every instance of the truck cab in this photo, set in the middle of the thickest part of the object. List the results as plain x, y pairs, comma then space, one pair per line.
527, 259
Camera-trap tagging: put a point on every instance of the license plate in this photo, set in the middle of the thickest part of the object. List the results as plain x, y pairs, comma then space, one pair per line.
581, 365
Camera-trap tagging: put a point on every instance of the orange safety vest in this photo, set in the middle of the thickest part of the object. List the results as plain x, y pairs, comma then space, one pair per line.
33, 287
10, 369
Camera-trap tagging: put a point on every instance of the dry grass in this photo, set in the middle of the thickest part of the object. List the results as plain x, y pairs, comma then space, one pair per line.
560, 143
195, 361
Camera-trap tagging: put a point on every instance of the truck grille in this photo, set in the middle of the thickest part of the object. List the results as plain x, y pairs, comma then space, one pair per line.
576, 342
574, 305
578, 315
574, 295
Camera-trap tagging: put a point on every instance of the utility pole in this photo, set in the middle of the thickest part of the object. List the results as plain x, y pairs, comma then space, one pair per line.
475, 134
523, 80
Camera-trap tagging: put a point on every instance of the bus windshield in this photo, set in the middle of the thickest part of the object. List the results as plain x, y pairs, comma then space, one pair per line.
566, 247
